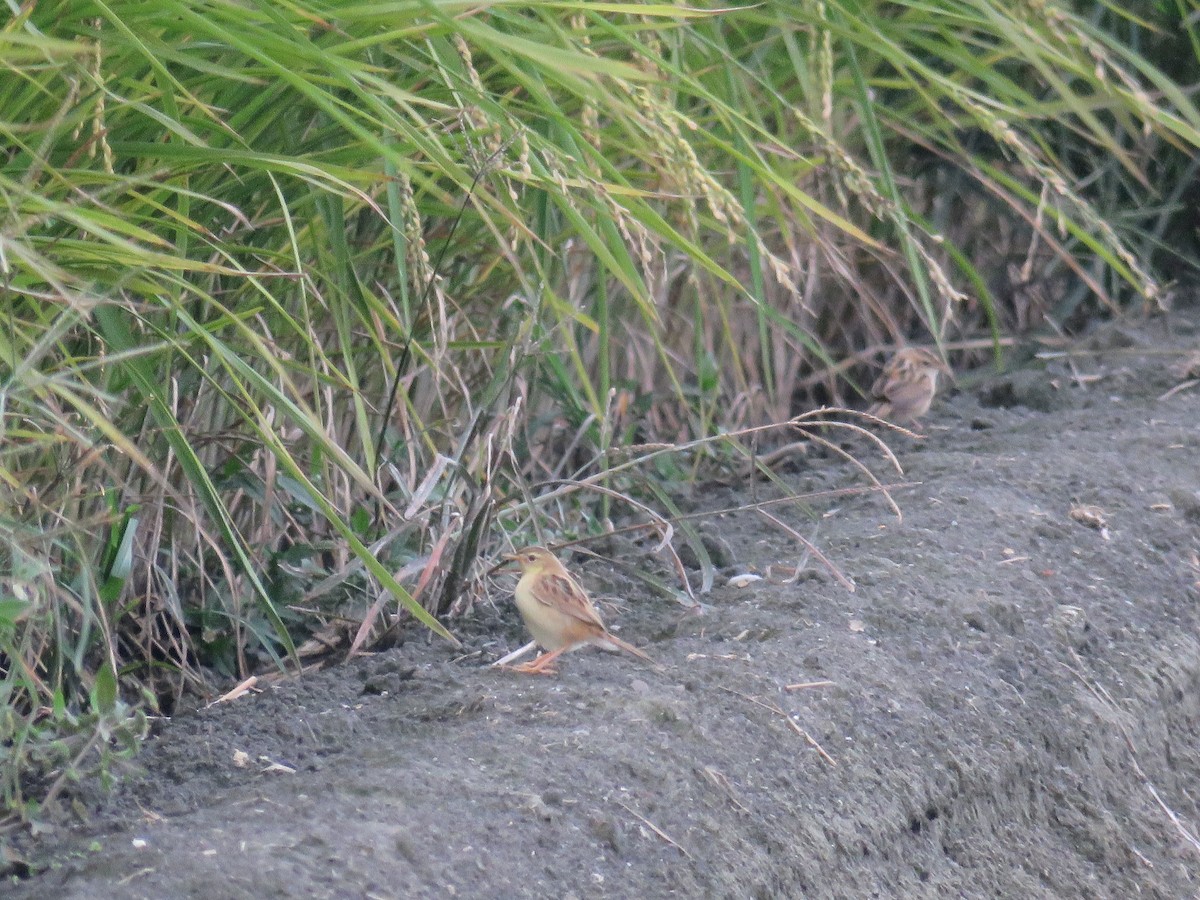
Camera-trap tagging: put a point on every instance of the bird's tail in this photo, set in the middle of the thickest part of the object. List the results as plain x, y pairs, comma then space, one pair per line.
614, 643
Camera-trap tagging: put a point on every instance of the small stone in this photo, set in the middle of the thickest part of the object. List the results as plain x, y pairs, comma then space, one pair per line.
1187, 502
745, 579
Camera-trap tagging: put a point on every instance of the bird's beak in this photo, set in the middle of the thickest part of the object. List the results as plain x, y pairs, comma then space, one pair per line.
509, 557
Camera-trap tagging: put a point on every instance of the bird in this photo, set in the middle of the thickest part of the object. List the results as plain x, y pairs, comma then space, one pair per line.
557, 612
905, 388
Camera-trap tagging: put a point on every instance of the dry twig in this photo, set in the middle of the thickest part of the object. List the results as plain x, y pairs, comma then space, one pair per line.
796, 728
662, 834
1105, 699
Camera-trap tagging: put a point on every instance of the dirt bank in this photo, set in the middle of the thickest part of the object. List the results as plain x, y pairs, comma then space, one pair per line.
1012, 706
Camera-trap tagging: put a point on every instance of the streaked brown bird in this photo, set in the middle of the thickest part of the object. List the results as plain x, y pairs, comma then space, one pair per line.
557, 612
904, 390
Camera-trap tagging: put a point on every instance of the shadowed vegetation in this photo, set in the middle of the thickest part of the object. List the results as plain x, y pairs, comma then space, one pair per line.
310, 309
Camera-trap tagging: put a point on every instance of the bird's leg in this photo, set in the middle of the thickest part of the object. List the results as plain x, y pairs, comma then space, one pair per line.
543, 665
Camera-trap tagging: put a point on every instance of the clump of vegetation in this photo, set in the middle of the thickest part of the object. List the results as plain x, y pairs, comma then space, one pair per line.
306, 306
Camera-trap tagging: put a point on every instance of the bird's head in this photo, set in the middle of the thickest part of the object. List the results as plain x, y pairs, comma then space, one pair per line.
533, 559
920, 361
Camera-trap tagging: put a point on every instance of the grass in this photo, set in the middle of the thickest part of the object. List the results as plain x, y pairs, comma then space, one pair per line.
310, 310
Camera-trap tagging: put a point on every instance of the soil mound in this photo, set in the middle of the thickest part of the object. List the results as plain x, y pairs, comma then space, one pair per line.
1007, 705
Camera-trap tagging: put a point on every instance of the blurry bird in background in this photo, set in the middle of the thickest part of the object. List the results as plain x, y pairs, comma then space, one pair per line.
905, 389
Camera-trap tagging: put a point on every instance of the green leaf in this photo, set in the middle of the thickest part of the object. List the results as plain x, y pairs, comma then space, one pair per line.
12, 609
104, 691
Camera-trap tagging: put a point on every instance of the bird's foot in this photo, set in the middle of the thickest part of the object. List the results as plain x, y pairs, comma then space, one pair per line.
543, 665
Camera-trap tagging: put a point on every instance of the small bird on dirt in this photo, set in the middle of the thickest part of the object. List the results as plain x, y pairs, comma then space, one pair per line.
557, 612
905, 389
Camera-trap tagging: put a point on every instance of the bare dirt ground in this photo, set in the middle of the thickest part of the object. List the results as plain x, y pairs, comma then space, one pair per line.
1012, 706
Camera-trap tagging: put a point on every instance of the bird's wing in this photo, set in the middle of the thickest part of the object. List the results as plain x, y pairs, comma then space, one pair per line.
882, 387
906, 392
560, 592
